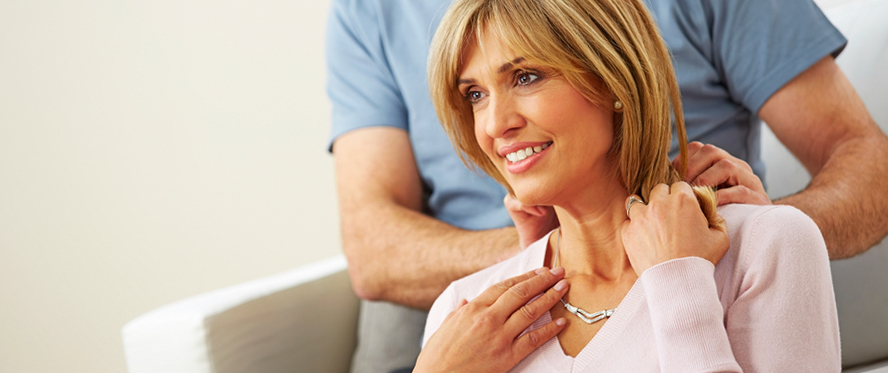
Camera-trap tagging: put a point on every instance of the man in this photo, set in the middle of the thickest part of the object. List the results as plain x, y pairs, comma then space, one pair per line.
414, 218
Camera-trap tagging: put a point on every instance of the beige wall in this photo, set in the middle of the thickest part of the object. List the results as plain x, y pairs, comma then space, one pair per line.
149, 151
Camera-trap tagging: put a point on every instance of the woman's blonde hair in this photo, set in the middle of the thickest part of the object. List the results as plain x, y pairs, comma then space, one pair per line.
593, 44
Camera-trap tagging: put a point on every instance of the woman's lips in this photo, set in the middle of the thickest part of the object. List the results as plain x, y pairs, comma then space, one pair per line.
521, 160
521, 154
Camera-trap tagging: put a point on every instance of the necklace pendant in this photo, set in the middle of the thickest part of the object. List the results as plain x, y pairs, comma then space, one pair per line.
586, 316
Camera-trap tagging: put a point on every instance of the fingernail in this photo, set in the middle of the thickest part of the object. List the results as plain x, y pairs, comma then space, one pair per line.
560, 321
561, 285
557, 271
540, 271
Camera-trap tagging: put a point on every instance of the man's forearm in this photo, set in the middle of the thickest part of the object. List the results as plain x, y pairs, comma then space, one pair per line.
848, 197
403, 256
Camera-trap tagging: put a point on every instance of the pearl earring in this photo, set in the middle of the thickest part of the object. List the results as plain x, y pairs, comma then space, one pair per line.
618, 105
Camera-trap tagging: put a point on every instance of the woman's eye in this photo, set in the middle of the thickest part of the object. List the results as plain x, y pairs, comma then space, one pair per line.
525, 78
474, 96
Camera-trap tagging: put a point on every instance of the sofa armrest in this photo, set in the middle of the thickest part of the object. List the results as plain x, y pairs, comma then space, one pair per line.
301, 320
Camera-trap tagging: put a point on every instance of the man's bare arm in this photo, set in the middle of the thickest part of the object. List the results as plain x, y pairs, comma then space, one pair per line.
824, 123
395, 252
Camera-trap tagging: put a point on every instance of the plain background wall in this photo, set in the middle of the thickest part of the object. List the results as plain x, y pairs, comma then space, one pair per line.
150, 151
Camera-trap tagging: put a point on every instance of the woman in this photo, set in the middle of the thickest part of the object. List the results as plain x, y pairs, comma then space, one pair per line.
569, 103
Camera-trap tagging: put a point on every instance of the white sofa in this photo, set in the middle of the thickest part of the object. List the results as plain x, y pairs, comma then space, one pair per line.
304, 320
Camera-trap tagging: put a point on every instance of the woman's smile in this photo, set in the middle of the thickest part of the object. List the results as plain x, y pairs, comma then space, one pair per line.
522, 156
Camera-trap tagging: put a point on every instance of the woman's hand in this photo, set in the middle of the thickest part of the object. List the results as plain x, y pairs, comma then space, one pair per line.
670, 226
532, 222
735, 182
483, 335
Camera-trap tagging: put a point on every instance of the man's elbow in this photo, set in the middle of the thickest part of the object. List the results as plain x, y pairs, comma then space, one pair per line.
363, 270
363, 283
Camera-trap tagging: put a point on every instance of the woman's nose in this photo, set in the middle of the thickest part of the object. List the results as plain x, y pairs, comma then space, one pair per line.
503, 117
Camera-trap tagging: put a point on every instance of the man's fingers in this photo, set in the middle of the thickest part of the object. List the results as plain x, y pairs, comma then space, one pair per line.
693, 148
531, 341
707, 157
514, 205
532, 311
700, 158
728, 173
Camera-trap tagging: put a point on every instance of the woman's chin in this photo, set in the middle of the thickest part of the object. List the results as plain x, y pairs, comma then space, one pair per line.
533, 198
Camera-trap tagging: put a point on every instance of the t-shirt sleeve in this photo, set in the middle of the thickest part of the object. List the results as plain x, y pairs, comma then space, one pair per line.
760, 45
360, 83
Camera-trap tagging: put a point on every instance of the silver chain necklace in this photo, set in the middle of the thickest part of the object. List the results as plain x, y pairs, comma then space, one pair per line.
586, 316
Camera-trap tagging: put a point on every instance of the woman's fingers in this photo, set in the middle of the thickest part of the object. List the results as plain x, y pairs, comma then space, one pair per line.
511, 301
681, 187
458, 306
659, 191
530, 312
671, 226
490, 296
529, 342
634, 202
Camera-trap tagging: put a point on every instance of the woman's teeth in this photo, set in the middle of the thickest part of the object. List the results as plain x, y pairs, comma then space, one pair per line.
526, 152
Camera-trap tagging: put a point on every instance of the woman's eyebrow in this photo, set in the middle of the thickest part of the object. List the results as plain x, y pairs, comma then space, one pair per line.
508, 65
502, 69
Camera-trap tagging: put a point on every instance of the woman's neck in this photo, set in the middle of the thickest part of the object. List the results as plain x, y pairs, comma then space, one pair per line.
590, 241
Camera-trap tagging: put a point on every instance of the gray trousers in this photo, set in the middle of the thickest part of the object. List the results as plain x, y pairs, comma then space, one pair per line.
389, 337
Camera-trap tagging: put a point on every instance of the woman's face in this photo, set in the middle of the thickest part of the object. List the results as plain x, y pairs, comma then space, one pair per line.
547, 140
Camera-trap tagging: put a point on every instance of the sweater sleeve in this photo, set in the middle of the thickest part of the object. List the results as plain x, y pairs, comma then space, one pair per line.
784, 316
443, 306
778, 316
687, 317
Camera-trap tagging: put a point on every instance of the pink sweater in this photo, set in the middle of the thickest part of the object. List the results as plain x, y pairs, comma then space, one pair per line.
768, 306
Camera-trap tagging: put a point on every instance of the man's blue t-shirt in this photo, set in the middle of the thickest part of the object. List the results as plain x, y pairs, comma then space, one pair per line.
730, 56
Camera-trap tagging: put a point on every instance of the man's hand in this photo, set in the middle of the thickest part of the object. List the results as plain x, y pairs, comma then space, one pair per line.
733, 179
532, 222
483, 335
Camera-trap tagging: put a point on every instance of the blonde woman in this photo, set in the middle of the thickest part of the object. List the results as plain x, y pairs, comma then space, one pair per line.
569, 104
